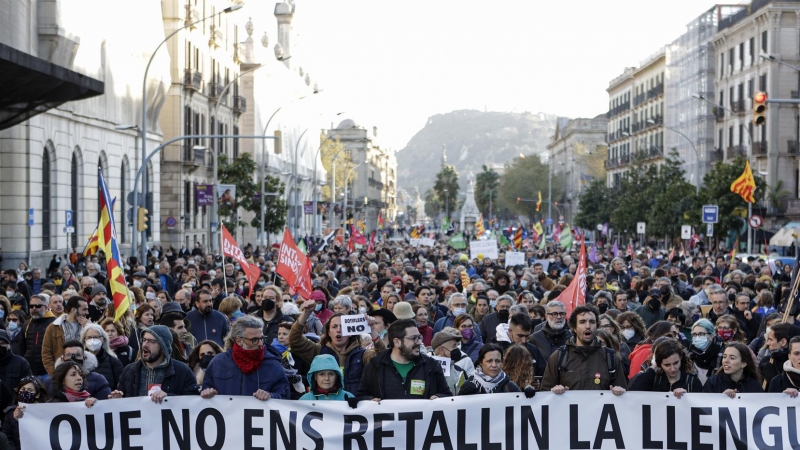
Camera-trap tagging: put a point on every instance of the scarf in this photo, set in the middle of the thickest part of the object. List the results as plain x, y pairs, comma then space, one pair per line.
117, 342
248, 361
791, 373
487, 383
319, 391
75, 396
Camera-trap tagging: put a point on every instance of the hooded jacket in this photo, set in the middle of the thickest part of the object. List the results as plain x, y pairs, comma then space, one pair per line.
225, 376
638, 357
320, 363
547, 340
582, 366
31, 339
788, 379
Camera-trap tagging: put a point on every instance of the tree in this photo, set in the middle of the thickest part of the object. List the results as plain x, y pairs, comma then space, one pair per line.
775, 194
634, 196
524, 178
240, 173
674, 196
596, 205
333, 148
446, 187
433, 206
487, 182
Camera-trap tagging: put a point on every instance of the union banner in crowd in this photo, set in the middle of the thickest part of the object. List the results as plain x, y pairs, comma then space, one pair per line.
575, 420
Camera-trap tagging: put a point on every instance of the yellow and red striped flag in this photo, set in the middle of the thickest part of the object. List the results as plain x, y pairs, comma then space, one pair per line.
745, 185
479, 229
518, 238
92, 246
107, 241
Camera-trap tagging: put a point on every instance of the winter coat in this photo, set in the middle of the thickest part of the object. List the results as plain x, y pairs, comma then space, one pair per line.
225, 376
214, 326
31, 339
53, 341
382, 380
547, 340
721, 382
471, 387
622, 278
649, 316
581, 366
427, 334
271, 327
178, 380
772, 366
488, 328
460, 372
11, 428
539, 360
652, 380
786, 380
353, 358
109, 366
13, 368
635, 340
639, 356
320, 363
472, 347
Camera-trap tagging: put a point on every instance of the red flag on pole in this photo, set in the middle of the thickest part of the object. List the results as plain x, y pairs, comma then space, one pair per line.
575, 294
371, 248
231, 248
293, 266
356, 236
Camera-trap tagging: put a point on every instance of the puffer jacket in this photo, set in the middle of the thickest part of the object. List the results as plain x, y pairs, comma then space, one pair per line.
547, 340
31, 339
582, 365
223, 375
382, 380
320, 363
110, 367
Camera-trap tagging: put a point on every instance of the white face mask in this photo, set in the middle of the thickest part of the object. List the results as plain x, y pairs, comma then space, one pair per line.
10, 294
362, 310
628, 333
137, 283
94, 344
156, 266
150, 295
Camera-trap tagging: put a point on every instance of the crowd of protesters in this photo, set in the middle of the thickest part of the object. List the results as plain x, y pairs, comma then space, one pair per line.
197, 327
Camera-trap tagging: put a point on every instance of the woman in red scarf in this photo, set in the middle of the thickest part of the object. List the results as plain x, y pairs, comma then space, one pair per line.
67, 387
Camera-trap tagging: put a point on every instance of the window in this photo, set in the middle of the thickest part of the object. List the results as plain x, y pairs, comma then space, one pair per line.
750, 88
730, 136
187, 198
741, 134
721, 64
764, 41
762, 83
750, 129
74, 198
752, 47
730, 60
721, 98
235, 142
720, 144
46, 200
741, 55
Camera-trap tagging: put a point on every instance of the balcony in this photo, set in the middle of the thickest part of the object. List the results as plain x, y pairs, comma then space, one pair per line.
793, 147
193, 156
760, 148
619, 109
795, 94
719, 113
239, 104
192, 16
214, 90
639, 99
215, 39
192, 79
716, 155
738, 107
375, 183
655, 92
735, 151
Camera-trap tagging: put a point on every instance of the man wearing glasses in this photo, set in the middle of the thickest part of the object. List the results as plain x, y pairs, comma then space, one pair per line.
29, 341
65, 328
554, 333
247, 367
156, 374
402, 373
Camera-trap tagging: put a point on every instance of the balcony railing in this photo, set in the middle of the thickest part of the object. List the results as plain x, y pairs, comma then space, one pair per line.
214, 90
793, 147
719, 113
618, 109
655, 92
215, 39
760, 148
191, 155
737, 106
716, 155
736, 151
192, 79
239, 104
639, 99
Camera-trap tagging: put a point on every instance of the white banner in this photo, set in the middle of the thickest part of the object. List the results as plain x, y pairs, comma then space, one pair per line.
414, 242
487, 247
515, 259
428, 242
576, 420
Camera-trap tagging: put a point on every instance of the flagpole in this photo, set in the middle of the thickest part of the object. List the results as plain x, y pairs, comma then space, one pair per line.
222, 254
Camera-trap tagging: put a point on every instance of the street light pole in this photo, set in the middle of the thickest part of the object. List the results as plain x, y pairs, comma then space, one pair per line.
344, 200
144, 115
296, 192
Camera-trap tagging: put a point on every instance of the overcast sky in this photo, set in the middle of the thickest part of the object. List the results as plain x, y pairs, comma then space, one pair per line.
394, 63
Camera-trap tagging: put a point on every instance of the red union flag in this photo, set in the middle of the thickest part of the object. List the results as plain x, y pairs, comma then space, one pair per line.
575, 294
293, 266
231, 248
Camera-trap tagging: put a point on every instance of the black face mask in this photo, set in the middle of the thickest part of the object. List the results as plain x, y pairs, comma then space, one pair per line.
87, 291
205, 361
4, 351
455, 354
409, 287
602, 307
503, 316
654, 303
267, 304
536, 322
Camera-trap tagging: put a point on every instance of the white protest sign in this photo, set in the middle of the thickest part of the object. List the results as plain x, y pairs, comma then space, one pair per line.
445, 362
428, 242
544, 262
354, 325
488, 248
515, 259
415, 242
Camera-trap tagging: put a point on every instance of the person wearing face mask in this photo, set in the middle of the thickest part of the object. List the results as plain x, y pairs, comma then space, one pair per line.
294, 367
706, 349
94, 384
602, 300
457, 305
29, 390
271, 314
98, 302
652, 311
139, 280
95, 341
554, 333
201, 357
445, 345
487, 331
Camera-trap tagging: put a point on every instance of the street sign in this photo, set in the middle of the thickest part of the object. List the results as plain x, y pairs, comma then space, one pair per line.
171, 222
68, 218
640, 227
549, 221
755, 221
560, 218
599, 227
710, 213
30, 217
213, 227
709, 229
686, 232
69, 230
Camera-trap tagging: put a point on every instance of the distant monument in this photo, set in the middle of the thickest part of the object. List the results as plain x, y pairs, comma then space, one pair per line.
469, 212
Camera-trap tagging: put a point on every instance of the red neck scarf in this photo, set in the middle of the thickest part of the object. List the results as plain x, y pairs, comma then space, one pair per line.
75, 396
248, 361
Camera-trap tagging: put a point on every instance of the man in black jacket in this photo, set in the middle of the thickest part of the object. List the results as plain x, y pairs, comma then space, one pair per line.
29, 341
401, 372
12, 367
520, 330
156, 374
554, 333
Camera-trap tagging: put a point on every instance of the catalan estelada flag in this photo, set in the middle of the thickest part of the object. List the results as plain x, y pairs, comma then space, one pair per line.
518, 238
745, 185
479, 229
107, 241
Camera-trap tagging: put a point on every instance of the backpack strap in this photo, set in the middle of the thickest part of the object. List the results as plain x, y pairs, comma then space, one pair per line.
690, 377
563, 356
611, 360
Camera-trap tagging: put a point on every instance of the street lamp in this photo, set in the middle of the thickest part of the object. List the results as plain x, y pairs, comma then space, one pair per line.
697, 154
344, 200
447, 205
227, 10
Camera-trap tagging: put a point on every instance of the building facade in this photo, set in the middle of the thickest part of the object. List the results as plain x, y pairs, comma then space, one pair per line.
49, 162
573, 152
752, 47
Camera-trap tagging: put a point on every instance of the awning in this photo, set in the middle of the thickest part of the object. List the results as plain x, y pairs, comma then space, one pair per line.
31, 86
785, 237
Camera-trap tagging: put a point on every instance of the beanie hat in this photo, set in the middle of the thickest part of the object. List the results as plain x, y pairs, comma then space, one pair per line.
706, 324
163, 336
4, 336
98, 289
447, 334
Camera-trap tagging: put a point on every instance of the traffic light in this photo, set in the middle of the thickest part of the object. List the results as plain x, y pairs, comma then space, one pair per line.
760, 108
518, 199
141, 223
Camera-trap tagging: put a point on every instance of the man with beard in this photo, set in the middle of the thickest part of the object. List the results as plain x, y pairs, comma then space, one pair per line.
270, 313
584, 364
554, 332
99, 302
402, 373
65, 328
156, 374
206, 322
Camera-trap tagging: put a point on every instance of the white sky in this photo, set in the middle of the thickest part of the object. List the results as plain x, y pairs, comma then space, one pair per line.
394, 63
